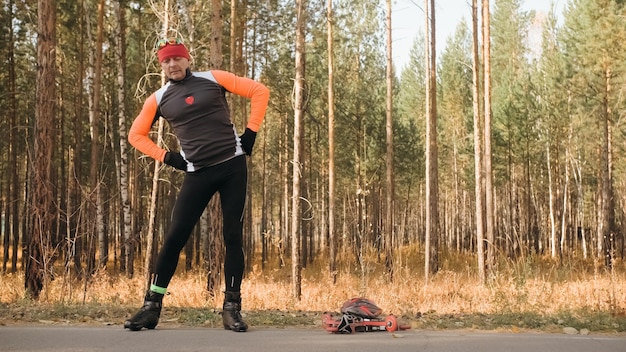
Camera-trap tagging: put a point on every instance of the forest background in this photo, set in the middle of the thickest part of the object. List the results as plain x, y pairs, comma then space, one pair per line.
400, 218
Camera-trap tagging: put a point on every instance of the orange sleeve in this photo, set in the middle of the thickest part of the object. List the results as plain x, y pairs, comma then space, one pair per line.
258, 94
138, 134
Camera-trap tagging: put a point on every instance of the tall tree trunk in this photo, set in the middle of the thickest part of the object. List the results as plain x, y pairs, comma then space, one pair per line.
564, 217
12, 215
154, 195
296, 267
332, 238
42, 197
551, 204
478, 164
217, 58
284, 220
265, 230
489, 191
606, 240
128, 244
76, 211
233, 34
215, 244
432, 189
204, 241
96, 146
389, 228
151, 234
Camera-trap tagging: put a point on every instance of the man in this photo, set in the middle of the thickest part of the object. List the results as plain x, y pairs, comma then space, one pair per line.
213, 158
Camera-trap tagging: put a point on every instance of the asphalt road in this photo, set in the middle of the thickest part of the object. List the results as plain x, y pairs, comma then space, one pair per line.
114, 338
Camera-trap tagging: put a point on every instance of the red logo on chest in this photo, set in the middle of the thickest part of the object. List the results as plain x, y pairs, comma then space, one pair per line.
189, 100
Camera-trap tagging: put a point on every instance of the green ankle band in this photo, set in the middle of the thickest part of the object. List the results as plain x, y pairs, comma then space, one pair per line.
157, 289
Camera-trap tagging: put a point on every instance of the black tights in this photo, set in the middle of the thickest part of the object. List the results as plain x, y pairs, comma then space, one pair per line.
230, 180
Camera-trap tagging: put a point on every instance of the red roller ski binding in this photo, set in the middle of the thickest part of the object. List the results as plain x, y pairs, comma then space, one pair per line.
361, 315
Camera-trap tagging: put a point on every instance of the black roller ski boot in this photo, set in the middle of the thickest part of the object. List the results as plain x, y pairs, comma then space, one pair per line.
231, 314
148, 315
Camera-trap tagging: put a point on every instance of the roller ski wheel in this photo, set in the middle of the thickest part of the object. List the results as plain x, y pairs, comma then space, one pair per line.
348, 324
394, 325
391, 323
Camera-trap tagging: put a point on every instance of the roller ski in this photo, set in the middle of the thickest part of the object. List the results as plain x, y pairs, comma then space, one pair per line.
361, 315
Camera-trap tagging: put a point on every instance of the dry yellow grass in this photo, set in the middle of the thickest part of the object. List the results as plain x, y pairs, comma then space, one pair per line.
540, 288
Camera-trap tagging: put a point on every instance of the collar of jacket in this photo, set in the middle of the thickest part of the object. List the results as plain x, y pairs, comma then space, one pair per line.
187, 75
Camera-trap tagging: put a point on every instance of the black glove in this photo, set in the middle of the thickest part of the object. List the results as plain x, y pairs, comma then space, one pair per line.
247, 140
175, 160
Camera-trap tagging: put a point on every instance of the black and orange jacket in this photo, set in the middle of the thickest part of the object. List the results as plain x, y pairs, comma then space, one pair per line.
197, 110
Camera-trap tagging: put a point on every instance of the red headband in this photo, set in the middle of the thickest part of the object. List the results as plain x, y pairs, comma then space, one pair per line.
173, 50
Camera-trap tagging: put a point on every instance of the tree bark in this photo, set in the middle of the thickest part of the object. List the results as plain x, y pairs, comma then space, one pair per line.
233, 34
217, 58
128, 247
389, 228
12, 212
42, 197
96, 146
296, 266
478, 164
151, 233
489, 191
432, 188
332, 238
606, 220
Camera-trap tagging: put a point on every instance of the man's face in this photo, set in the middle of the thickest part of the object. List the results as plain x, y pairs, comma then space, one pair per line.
175, 68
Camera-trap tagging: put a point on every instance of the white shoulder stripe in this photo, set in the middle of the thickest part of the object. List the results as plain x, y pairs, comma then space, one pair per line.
159, 93
206, 74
